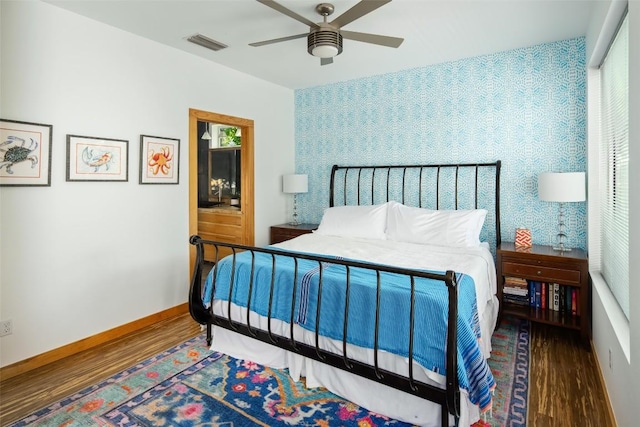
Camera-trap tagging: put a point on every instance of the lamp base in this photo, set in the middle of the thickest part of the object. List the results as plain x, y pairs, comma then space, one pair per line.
294, 219
561, 237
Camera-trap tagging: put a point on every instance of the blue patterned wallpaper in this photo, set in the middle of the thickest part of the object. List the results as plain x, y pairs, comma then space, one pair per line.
526, 107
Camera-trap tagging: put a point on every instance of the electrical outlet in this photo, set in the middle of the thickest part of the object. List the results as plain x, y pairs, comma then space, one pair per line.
610, 360
6, 328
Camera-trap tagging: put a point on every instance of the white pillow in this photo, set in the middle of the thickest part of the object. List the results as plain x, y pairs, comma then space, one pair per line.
456, 228
355, 221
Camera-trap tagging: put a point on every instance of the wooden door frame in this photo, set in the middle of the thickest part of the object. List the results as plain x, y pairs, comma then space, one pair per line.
246, 174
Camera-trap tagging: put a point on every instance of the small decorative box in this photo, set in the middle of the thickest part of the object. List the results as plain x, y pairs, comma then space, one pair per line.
523, 238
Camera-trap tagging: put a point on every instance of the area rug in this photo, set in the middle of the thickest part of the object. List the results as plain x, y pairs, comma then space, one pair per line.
189, 385
509, 364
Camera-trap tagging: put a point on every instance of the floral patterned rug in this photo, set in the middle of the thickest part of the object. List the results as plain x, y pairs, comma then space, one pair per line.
189, 385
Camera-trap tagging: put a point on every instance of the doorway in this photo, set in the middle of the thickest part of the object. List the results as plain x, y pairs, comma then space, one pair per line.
221, 207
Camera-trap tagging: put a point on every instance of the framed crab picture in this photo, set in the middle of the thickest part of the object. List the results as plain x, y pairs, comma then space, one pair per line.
159, 160
25, 153
97, 159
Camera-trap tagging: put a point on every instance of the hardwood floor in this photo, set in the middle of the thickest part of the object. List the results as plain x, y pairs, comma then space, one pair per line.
565, 388
564, 383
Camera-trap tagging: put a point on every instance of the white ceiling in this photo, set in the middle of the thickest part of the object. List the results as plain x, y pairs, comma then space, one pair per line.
435, 31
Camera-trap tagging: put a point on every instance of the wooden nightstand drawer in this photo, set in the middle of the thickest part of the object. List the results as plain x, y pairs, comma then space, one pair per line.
280, 233
537, 272
284, 234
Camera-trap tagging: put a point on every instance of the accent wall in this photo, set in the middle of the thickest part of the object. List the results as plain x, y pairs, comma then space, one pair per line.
526, 107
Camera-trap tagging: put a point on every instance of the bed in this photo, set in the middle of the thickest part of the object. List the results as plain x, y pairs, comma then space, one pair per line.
390, 303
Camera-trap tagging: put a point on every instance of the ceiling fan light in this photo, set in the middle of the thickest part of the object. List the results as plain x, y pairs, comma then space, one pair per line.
324, 43
324, 51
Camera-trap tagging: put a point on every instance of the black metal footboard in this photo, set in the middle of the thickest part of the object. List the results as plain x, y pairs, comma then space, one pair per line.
448, 398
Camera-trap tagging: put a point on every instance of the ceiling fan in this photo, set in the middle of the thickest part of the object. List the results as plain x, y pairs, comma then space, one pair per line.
324, 39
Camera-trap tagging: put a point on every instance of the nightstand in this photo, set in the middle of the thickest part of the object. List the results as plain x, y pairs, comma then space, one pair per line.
282, 232
557, 284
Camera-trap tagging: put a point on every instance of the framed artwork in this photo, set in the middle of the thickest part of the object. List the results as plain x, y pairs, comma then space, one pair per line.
25, 153
159, 160
97, 159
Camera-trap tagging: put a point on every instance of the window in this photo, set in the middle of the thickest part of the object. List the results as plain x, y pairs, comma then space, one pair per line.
614, 166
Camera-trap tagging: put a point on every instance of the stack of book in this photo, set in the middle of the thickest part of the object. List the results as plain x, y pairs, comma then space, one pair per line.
548, 296
516, 291
554, 297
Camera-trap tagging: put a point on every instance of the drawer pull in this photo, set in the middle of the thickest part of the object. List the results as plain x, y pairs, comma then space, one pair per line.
539, 272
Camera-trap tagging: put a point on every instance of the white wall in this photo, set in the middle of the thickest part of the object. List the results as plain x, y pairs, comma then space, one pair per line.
612, 332
79, 258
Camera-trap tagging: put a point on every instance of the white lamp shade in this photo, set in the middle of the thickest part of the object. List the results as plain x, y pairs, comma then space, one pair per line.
562, 187
295, 183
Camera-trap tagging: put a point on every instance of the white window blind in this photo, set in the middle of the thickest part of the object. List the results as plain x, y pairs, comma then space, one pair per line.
614, 166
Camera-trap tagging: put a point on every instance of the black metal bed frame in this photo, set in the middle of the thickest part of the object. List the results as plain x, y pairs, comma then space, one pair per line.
380, 178
449, 397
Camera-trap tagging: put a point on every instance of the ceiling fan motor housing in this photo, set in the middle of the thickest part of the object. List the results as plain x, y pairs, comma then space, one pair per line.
324, 43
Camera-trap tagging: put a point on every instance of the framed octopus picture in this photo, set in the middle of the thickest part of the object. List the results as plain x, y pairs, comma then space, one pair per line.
159, 160
25, 153
97, 159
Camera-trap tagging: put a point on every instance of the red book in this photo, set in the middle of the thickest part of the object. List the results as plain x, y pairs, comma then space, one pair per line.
574, 302
543, 296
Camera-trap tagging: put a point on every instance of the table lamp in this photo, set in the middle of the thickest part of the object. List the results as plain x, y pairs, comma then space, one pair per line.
561, 187
295, 184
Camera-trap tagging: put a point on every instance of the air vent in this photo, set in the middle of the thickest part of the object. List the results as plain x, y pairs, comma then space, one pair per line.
204, 41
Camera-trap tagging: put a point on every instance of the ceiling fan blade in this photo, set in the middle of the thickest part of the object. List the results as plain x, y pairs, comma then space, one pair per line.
291, 14
372, 38
278, 40
326, 61
358, 11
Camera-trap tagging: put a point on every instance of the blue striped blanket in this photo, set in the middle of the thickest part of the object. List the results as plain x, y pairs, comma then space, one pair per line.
431, 310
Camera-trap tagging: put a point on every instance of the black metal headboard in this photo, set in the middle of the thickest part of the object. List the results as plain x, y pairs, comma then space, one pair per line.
437, 186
